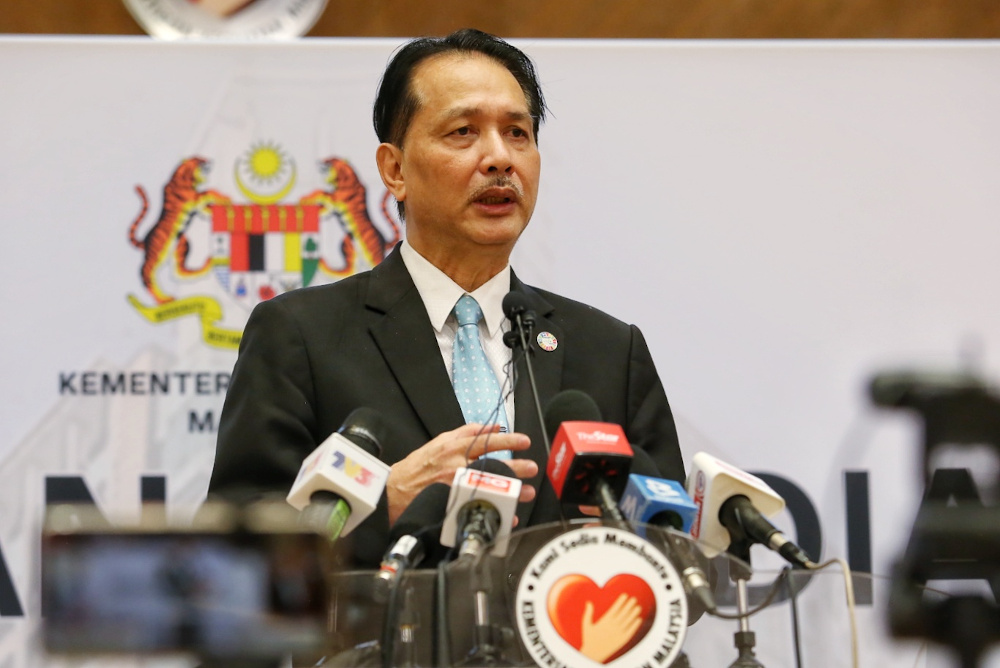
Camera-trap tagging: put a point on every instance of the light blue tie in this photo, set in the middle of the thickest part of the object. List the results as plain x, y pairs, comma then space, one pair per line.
476, 385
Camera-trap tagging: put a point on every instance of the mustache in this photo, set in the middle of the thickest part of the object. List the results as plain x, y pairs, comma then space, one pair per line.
498, 181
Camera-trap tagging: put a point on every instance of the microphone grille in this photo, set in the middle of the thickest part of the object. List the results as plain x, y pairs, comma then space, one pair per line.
366, 428
570, 406
514, 303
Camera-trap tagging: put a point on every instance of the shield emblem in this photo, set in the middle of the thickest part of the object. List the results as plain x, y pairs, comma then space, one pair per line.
260, 251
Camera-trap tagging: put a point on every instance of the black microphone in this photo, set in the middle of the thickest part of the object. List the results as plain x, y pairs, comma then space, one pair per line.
366, 428
741, 517
515, 307
413, 537
571, 406
522, 319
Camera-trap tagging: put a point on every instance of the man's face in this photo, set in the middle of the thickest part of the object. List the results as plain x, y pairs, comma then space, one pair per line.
469, 163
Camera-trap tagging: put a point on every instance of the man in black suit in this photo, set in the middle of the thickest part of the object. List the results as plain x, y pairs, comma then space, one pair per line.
458, 119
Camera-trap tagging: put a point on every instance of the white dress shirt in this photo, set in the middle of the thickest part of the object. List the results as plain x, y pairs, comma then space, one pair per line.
439, 294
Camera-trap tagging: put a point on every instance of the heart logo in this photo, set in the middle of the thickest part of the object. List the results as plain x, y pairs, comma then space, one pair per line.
631, 616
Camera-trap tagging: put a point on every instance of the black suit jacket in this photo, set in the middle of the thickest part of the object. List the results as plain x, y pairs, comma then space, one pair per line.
311, 356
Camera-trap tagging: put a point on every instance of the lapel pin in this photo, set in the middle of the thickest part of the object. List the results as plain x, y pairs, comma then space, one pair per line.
547, 342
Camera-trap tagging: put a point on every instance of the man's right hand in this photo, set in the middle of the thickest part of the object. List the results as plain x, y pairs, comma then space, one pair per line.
438, 459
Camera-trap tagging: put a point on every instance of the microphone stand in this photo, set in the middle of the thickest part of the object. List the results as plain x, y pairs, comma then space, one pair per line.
409, 623
524, 322
442, 634
740, 572
389, 624
484, 652
609, 506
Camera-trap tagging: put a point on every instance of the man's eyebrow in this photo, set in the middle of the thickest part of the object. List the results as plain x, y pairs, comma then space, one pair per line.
465, 112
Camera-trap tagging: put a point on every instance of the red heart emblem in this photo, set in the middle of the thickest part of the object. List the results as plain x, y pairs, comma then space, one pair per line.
568, 598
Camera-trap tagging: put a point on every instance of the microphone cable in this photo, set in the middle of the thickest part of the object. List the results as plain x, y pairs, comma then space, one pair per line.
845, 569
506, 389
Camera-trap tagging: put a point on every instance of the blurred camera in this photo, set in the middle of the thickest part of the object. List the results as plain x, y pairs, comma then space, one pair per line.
238, 583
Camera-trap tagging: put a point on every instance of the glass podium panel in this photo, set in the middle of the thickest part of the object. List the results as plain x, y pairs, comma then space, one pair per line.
575, 594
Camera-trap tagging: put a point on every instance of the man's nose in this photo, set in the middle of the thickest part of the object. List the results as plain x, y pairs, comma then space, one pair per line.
497, 155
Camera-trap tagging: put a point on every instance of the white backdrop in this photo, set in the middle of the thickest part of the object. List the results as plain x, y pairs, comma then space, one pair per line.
781, 219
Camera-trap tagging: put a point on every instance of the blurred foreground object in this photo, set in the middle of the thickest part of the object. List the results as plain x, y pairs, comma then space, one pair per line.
237, 585
956, 533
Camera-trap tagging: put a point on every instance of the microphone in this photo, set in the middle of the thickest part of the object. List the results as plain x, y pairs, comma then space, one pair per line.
732, 508
522, 320
341, 481
590, 460
413, 536
665, 504
481, 508
658, 502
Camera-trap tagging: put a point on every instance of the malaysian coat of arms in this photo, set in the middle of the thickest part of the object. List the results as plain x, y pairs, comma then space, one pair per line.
255, 249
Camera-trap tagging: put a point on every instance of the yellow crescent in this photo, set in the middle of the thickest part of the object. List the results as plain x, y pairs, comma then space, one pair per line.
264, 199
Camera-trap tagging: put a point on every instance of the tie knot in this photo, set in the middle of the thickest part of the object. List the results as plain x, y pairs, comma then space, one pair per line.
467, 311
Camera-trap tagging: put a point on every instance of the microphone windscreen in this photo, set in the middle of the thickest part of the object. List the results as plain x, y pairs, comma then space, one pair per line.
643, 464
514, 303
485, 480
426, 509
366, 428
711, 482
570, 406
349, 470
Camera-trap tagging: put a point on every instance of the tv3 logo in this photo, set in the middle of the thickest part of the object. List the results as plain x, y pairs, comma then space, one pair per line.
352, 469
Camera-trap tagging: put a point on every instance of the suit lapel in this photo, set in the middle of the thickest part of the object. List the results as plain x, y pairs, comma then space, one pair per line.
548, 368
405, 337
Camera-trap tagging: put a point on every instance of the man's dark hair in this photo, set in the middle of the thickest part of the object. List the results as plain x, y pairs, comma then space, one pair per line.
395, 103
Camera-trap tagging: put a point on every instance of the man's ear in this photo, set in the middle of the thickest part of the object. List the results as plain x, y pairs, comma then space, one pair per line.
389, 159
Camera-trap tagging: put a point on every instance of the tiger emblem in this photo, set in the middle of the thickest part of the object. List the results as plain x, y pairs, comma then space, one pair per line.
182, 200
345, 198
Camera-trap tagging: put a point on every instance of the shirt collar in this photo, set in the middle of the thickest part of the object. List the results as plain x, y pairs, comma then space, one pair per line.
439, 293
